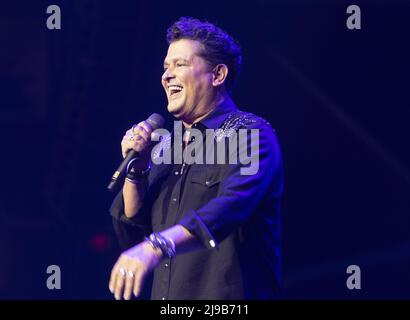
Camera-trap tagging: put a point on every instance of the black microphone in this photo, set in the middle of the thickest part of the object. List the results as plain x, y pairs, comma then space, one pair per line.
156, 121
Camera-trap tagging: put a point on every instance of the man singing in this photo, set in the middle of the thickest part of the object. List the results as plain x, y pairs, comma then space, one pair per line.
208, 230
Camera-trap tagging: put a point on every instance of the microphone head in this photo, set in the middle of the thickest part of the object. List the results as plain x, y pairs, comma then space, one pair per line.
156, 121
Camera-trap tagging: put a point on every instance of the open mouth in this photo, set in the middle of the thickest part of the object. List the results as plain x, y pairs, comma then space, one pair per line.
175, 91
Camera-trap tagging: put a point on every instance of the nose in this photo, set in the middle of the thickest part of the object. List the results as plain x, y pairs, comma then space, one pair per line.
168, 74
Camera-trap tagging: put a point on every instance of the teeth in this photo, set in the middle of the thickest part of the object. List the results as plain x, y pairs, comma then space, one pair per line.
175, 88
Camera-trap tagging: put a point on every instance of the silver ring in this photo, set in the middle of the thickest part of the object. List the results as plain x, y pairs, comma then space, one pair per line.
132, 137
122, 271
131, 274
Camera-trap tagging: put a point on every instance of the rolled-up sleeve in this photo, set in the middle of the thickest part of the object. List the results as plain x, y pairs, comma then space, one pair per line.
239, 195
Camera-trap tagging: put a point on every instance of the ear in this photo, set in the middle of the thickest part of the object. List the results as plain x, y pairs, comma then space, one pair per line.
220, 73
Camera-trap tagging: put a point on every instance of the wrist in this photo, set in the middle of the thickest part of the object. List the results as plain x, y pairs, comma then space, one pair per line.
155, 251
136, 175
164, 244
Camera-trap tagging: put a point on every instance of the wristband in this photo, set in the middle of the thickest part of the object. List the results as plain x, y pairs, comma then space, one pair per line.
136, 176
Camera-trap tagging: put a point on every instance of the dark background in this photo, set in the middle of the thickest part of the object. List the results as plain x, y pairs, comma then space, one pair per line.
339, 100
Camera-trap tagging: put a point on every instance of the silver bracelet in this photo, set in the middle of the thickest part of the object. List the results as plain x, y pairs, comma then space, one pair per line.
166, 245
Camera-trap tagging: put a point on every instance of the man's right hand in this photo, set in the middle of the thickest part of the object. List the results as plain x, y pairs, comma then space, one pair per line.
138, 138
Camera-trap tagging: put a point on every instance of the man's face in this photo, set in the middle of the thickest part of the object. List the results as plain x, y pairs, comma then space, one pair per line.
187, 80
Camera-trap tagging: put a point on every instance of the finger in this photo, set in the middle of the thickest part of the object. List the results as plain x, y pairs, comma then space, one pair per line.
136, 144
133, 145
119, 286
133, 136
126, 143
138, 283
147, 127
139, 145
129, 284
142, 132
111, 284
136, 132
126, 146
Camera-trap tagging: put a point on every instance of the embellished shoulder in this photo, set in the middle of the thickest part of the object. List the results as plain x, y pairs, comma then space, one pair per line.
242, 120
239, 120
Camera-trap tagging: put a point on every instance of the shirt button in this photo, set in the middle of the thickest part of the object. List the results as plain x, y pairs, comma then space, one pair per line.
174, 200
163, 298
166, 265
176, 173
207, 182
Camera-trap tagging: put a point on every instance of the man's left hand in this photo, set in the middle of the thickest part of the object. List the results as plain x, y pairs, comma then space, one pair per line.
131, 268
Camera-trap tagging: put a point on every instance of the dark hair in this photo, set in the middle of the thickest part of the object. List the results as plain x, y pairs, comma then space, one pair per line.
219, 47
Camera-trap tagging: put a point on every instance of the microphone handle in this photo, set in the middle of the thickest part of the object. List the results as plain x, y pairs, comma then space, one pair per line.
121, 170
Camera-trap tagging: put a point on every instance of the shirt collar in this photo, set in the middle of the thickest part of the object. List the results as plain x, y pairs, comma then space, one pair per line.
217, 116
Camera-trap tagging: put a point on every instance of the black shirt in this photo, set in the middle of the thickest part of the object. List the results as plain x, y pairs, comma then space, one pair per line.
236, 217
